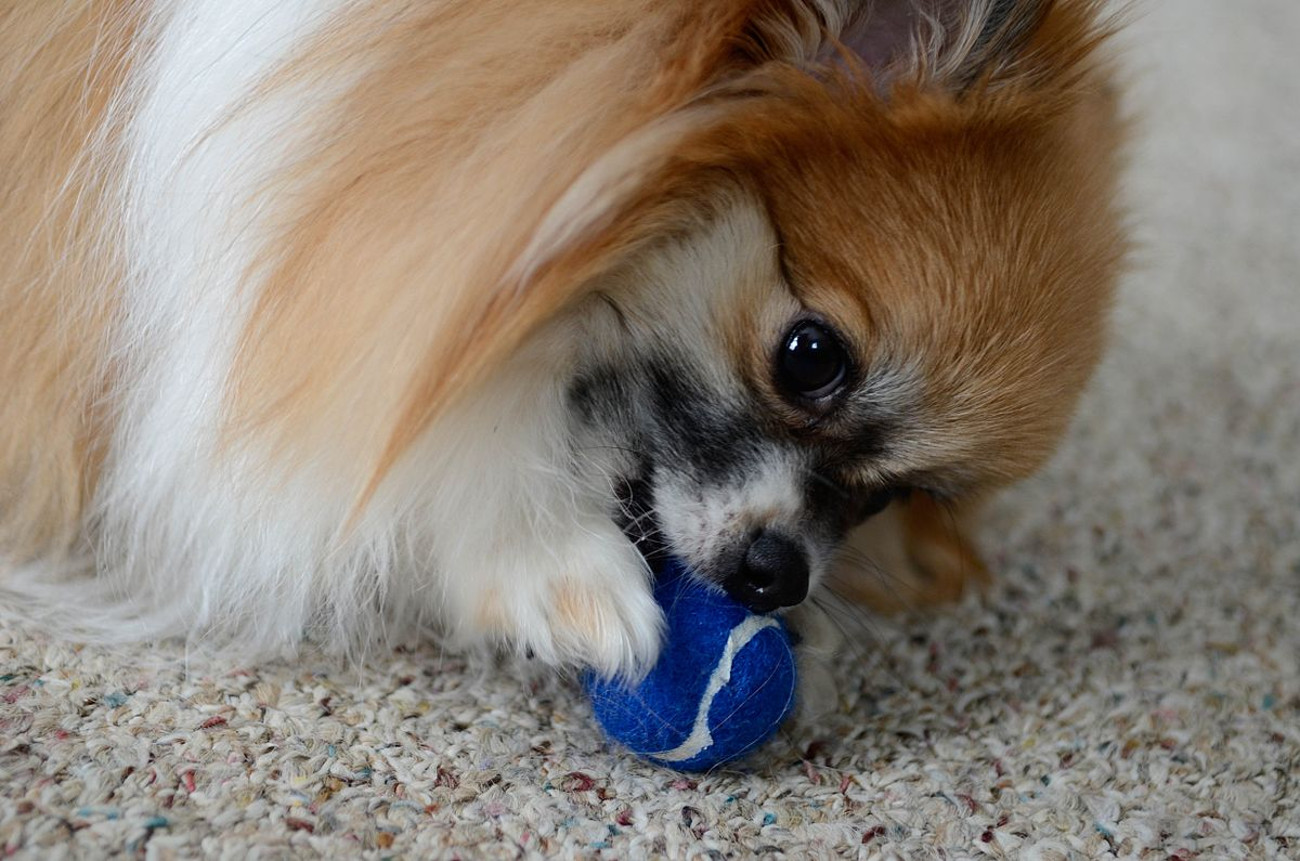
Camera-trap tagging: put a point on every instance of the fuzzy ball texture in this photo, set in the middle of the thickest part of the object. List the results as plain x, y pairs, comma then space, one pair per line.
724, 682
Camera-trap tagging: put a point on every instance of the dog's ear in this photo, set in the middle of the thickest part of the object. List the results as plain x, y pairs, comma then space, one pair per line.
953, 44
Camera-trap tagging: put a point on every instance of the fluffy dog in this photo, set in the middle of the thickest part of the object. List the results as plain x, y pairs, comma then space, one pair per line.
346, 317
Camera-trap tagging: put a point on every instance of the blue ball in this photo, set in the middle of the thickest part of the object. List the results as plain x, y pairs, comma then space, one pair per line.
723, 683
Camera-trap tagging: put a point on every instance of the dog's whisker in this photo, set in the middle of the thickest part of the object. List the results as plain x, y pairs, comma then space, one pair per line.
845, 613
900, 589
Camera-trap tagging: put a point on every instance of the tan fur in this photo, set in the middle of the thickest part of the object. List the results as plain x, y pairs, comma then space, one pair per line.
356, 257
917, 554
980, 237
998, 292
490, 615
866, 235
576, 614
963, 224
60, 64
984, 239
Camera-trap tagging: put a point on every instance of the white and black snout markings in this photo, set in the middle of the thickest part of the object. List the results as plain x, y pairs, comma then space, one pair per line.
745, 533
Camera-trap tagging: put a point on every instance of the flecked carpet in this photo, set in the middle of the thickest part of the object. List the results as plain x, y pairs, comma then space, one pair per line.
1129, 689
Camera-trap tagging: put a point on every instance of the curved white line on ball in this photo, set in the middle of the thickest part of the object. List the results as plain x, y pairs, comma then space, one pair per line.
700, 737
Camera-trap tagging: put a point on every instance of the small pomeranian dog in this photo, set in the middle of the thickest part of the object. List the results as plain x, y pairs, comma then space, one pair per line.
344, 319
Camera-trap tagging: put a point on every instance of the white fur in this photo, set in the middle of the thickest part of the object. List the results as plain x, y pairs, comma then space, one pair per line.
196, 541
700, 524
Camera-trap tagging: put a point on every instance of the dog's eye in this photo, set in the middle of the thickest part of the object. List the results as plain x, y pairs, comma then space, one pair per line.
879, 501
812, 362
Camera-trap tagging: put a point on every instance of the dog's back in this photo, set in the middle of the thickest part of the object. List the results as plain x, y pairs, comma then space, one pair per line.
61, 67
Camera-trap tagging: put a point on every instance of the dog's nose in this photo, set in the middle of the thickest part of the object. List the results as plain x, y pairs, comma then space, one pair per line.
772, 574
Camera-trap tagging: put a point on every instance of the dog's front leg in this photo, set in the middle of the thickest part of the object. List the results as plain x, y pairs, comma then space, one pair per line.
527, 551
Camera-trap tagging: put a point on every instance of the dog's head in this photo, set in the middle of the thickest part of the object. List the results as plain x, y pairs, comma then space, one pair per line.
883, 277
814, 254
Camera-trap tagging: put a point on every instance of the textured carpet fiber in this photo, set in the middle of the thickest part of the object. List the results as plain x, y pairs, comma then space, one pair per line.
1131, 688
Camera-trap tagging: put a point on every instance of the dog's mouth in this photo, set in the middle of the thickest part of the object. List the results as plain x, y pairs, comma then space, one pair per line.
636, 517
764, 569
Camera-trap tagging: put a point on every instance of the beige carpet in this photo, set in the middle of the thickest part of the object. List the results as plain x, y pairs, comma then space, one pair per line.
1130, 689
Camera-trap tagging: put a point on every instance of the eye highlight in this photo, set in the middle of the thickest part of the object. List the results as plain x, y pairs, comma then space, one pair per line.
812, 362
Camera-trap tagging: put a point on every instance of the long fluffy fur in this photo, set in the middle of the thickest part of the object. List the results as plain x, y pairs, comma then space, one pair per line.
231, 392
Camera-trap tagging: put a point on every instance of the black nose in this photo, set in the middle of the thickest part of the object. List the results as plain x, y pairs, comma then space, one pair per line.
773, 573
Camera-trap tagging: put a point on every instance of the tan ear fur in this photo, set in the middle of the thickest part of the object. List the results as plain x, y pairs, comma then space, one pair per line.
973, 235
915, 555
964, 45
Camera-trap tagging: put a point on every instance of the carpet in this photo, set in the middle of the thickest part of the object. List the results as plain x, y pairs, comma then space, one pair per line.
1130, 688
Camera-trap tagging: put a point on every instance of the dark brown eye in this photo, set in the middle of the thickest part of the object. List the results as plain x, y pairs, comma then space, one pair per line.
877, 502
880, 499
812, 362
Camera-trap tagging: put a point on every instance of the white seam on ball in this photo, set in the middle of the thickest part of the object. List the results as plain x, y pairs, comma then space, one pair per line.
701, 738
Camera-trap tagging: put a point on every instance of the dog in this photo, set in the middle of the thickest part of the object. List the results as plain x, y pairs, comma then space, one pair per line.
345, 320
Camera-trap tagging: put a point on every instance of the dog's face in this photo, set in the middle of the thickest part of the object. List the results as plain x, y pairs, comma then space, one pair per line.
893, 299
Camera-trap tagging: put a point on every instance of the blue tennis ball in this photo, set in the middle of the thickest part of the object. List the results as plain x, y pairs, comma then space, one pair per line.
723, 683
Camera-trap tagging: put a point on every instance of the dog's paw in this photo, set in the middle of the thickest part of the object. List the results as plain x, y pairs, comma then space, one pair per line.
912, 556
584, 601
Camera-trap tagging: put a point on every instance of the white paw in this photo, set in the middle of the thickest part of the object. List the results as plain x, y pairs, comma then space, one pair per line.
582, 600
